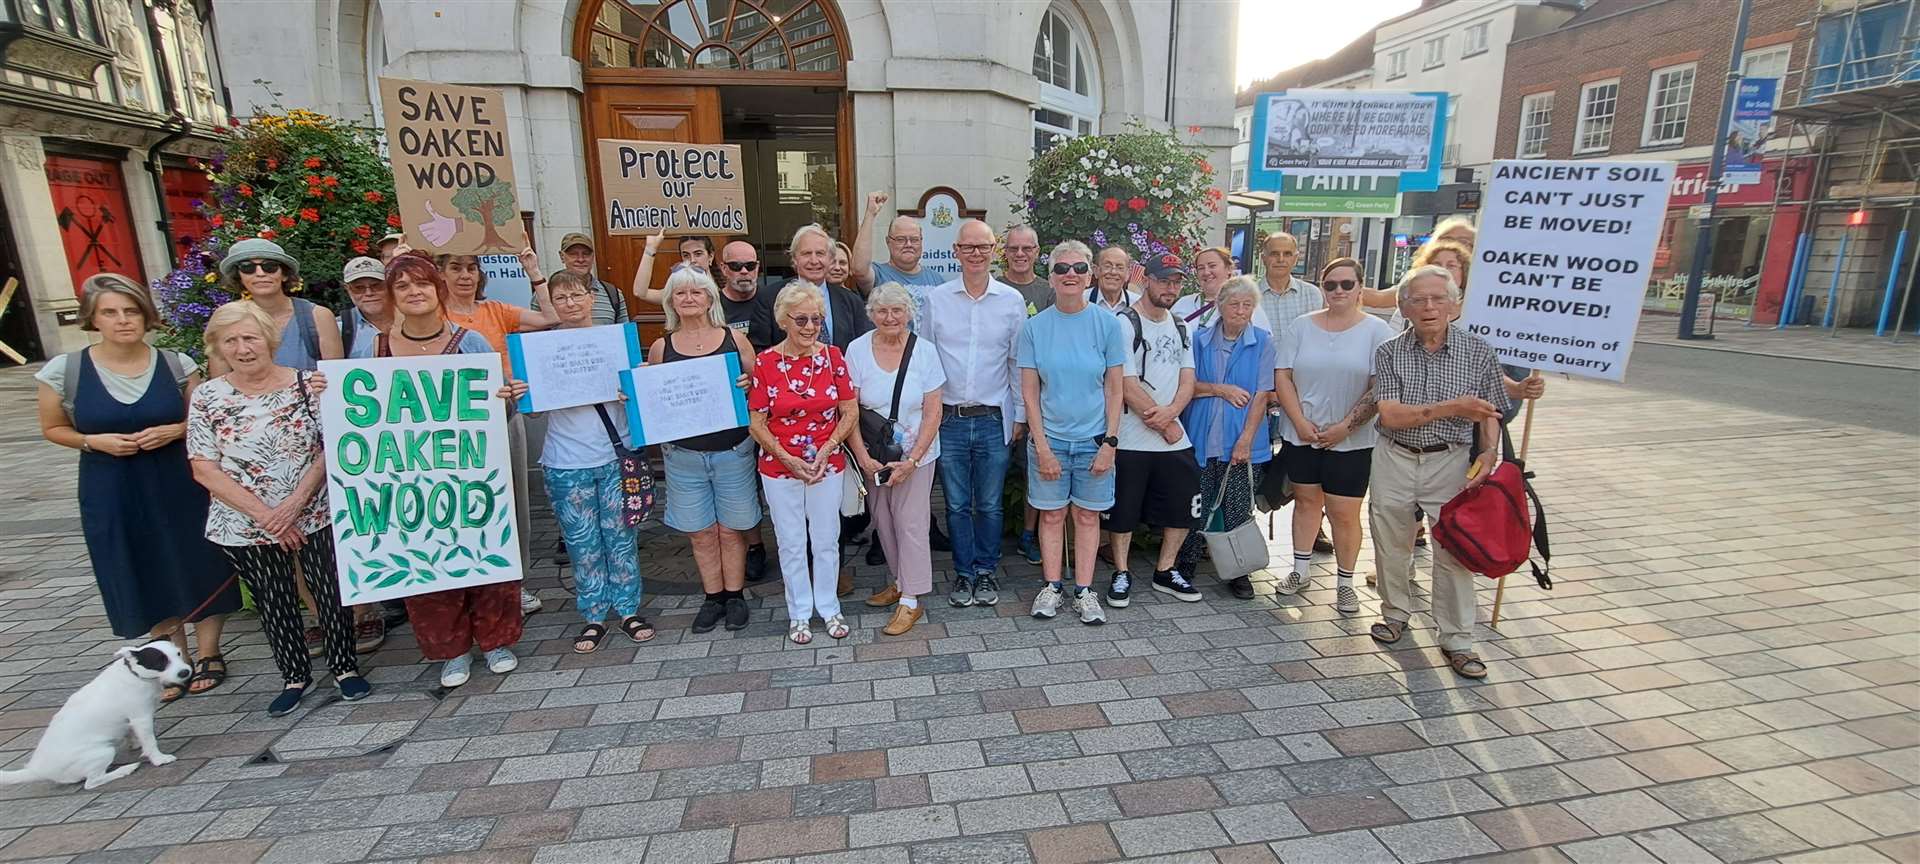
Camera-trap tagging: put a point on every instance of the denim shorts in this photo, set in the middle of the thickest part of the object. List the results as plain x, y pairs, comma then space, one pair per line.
1077, 483
704, 487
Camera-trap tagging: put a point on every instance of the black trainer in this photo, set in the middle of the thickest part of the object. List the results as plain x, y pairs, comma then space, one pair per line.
1174, 582
709, 615
1120, 589
736, 613
876, 556
757, 563
1241, 588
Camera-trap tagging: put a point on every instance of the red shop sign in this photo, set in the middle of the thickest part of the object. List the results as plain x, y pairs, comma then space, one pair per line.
1690, 185
90, 205
186, 188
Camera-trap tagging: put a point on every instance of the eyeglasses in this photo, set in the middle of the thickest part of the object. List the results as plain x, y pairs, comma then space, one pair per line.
743, 266
903, 239
1339, 284
974, 248
1064, 268
1027, 250
267, 267
808, 320
575, 297
1426, 301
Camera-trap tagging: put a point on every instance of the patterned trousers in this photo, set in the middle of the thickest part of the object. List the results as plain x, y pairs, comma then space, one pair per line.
447, 624
606, 563
268, 572
1236, 506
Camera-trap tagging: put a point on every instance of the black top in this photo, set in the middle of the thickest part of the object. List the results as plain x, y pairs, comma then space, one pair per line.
752, 317
725, 439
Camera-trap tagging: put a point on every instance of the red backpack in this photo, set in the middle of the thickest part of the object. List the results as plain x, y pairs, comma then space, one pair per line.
1488, 530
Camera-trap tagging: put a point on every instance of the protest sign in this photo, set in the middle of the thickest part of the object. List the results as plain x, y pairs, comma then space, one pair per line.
1304, 133
452, 169
1338, 196
1560, 267
1747, 137
507, 280
573, 365
662, 187
419, 482
671, 401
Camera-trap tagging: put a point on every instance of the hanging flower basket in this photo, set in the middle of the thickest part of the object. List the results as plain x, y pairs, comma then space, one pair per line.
1143, 189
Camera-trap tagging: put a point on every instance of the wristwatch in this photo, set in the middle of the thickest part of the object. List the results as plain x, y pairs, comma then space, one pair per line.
1107, 440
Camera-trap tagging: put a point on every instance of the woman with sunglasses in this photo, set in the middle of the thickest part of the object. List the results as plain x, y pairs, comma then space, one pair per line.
1324, 382
261, 271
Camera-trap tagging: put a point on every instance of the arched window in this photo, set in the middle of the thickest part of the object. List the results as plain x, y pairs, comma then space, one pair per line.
715, 35
1069, 93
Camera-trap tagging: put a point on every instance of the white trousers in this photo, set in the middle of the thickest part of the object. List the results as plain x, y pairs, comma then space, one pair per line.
801, 513
1403, 480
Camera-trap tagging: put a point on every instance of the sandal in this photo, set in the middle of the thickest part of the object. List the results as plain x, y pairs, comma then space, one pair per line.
837, 627
204, 671
1388, 632
171, 693
1465, 664
636, 628
799, 633
590, 636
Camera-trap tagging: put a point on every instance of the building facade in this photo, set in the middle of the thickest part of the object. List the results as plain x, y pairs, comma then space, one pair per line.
103, 105
828, 99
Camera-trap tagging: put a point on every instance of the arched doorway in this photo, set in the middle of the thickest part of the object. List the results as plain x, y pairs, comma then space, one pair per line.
768, 75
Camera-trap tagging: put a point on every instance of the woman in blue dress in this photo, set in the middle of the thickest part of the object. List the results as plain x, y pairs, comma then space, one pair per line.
123, 405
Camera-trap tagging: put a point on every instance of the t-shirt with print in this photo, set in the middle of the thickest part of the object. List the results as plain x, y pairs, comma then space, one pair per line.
915, 283
1037, 293
924, 375
1165, 354
801, 397
265, 442
1072, 354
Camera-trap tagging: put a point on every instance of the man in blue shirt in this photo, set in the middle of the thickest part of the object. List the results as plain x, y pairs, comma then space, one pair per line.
904, 247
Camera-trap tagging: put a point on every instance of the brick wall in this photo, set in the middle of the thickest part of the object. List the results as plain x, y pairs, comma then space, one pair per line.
1630, 45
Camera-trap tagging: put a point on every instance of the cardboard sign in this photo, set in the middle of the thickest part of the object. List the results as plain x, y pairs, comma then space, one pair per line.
419, 481
1562, 262
452, 169
655, 187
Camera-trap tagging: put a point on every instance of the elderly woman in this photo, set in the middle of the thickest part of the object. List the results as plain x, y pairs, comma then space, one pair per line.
254, 438
1325, 386
1070, 357
1233, 380
261, 271
468, 307
710, 491
898, 375
802, 407
1212, 267
583, 483
123, 405
447, 624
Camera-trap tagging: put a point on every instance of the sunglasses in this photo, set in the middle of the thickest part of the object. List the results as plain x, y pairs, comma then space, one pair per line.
267, 267
743, 266
1063, 269
808, 320
1340, 284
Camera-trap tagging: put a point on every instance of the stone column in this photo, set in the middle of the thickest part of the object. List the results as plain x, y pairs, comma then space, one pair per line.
36, 236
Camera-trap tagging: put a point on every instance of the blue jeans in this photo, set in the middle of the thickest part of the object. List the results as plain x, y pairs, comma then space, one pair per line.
973, 468
1076, 485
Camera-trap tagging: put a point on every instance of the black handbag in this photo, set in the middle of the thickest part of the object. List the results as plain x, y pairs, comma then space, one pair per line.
876, 429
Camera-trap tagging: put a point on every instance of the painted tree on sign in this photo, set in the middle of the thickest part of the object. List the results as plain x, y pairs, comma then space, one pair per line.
490, 205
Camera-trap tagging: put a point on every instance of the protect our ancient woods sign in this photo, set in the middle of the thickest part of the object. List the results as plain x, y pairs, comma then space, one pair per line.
452, 169
654, 187
418, 479
1560, 266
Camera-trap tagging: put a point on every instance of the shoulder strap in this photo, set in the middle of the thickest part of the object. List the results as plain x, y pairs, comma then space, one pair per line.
300, 384
309, 334
383, 347
1198, 312
1180, 327
1539, 535
74, 359
900, 377
174, 368
349, 327
613, 435
453, 342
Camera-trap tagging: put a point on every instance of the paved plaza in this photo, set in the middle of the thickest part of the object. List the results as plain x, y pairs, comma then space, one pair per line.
1726, 670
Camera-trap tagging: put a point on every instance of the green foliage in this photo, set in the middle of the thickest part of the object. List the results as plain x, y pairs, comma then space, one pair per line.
1142, 189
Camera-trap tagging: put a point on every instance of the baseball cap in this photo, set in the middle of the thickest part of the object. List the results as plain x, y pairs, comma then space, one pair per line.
1166, 267
395, 237
362, 268
576, 239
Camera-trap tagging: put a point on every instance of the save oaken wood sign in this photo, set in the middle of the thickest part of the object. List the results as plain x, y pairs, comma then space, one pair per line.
452, 168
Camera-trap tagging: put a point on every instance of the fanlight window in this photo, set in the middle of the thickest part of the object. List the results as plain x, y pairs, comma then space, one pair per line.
752, 35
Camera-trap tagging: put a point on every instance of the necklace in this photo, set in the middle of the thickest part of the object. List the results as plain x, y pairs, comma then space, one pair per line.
410, 337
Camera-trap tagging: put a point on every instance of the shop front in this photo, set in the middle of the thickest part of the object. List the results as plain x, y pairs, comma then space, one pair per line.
1755, 228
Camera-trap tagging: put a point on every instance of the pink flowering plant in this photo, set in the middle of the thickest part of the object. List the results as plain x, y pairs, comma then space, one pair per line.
1143, 189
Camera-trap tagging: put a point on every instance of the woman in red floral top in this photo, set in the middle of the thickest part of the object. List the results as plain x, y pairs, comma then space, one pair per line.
802, 407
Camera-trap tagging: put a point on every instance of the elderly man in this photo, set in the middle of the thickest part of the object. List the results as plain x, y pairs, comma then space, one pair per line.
1112, 272
1023, 252
1439, 392
609, 305
1284, 297
812, 250
903, 258
975, 322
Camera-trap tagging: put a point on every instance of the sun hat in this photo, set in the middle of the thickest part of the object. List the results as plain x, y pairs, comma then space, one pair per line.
254, 249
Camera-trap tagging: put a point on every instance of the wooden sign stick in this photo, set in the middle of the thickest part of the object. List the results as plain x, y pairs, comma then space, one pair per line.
1526, 437
6, 300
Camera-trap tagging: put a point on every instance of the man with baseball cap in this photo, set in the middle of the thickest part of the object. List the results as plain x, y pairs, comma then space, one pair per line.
366, 283
1156, 480
609, 305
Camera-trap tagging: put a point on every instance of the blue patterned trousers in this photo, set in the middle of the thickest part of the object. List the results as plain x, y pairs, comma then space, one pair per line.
606, 562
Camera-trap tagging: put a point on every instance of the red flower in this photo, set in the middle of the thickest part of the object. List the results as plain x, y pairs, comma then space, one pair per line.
360, 246
245, 191
268, 234
393, 220
273, 164
1136, 204
313, 179
309, 214
287, 222
373, 197
1093, 179
315, 192
1166, 209
364, 231
312, 162
329, 181
1112, 205
217, 220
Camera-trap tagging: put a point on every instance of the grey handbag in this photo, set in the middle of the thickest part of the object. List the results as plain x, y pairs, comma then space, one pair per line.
1239, 550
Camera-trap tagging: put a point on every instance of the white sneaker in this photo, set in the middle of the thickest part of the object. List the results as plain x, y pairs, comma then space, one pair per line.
456, 671
1346, 600
1047, 604
1088, 605
1293, 582
529, 604
500, 661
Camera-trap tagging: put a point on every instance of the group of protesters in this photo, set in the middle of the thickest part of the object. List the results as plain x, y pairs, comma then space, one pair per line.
1115, 396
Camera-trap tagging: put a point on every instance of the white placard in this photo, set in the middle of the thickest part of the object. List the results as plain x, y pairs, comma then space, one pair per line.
1560, 267
671, 401
573, 365
507, 280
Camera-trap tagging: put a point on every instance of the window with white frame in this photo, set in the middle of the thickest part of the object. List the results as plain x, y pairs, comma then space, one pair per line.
1239, 178
1476, 40
1536, 124
1768, 63
1397, 64
1241, 127
1669, 101
1593, 133
1436, 52
1064, 63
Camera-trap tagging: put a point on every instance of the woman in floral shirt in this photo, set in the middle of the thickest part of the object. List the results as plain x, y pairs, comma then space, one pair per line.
253, 439
802, 407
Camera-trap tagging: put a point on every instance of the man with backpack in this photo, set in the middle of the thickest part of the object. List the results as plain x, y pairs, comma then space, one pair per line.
1156, 479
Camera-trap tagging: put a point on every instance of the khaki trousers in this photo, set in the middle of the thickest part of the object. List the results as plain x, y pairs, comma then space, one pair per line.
1403, 480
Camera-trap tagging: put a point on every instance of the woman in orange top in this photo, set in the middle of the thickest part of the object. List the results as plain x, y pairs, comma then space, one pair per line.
468, 307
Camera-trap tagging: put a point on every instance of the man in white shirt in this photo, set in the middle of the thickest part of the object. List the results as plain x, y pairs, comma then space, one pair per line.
1112, 271
1156, 480
974, 321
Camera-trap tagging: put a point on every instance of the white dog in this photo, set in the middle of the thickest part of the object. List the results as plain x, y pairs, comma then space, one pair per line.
80, 743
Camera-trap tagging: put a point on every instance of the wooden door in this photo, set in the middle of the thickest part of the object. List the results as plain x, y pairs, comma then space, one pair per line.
642, 113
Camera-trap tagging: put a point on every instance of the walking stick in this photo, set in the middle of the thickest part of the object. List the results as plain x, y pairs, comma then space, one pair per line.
1526, 437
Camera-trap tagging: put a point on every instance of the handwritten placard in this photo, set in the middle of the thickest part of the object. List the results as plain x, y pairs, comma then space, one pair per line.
670, 401
452, 168
572, 366
654, 187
